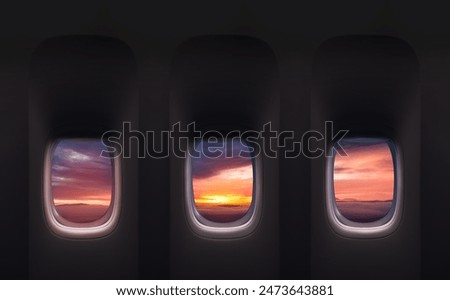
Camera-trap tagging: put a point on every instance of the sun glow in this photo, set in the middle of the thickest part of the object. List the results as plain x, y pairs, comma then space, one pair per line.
223, 200
223, 187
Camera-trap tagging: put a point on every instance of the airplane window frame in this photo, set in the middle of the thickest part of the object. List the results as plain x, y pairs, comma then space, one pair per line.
67, 229
376, 229
229, 230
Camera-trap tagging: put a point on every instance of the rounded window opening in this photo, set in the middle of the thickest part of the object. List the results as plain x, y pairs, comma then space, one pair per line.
364, 187
82, 187
223, 195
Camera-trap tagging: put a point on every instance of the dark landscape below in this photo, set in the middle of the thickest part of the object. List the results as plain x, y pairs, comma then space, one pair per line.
223, 213
364, 211
81, 213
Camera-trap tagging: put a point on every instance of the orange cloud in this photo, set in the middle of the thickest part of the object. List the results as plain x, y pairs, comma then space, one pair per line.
227, 187
80, 201
81, 180
367, 173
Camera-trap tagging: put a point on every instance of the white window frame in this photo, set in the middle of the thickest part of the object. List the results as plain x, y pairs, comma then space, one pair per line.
377, 229
66, 229
237, 229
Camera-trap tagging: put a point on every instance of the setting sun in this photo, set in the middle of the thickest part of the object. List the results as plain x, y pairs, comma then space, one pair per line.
223, 187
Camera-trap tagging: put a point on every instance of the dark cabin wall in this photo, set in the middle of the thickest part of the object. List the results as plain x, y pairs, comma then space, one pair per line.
82, 86
368, 85
225, 83
14, 161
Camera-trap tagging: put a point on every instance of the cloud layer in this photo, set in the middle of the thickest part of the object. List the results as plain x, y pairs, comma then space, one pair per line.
79, 173
367, 173
204, 167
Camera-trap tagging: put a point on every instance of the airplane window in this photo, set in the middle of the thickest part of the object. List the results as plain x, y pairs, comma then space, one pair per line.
223, 186
81, 188
364, 183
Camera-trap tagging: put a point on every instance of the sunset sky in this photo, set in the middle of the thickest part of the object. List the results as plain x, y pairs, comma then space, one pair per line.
223, 187
367, 173
79, 175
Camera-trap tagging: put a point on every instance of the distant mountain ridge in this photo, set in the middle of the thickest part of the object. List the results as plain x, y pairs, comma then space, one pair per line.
356, 200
